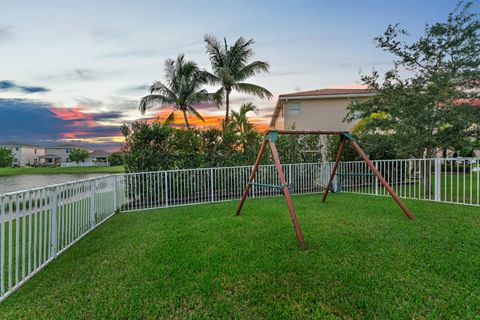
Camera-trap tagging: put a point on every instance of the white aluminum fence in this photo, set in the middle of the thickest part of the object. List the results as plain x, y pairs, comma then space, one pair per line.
449, 180
161, 189
84, 164
38, 224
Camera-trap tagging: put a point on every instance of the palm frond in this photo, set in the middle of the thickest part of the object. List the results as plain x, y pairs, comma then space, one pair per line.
238, 55
247, 107
153, 99
198, 97
159, 88
210, 78
217, 97
253, 89
214, 50
170, 119
225, 76
195, 113
252, 69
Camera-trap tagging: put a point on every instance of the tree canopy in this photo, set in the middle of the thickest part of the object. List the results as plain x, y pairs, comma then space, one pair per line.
182, 89
78, 154
429, 100
6, 157
231, 67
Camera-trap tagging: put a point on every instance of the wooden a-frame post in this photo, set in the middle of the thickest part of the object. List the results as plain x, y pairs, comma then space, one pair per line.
270, 138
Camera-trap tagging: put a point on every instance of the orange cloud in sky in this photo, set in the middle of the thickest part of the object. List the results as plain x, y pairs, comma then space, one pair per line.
73, 135
211, 120
71, 113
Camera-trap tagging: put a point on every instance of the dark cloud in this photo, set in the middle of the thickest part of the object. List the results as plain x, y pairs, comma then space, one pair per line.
76, 74
116, 104
36, 122
82, 74
112, 115
138, 88
7, 85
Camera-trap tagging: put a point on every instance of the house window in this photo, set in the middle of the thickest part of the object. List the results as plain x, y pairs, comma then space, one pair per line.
16, 148
294, 109
35, 151
67, 150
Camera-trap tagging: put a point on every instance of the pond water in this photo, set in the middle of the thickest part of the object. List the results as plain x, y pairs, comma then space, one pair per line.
29, 181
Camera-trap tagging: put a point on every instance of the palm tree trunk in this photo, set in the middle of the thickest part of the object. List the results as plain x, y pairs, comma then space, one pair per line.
227, 107
185, 118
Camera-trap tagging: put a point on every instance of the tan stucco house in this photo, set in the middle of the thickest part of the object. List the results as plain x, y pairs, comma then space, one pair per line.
24, 154
321, 109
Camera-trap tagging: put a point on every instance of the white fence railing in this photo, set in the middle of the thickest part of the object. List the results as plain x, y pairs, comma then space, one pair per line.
38, 224
160, 189
84, 164
449, 180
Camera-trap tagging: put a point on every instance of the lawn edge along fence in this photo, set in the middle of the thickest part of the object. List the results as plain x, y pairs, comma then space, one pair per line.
37, 225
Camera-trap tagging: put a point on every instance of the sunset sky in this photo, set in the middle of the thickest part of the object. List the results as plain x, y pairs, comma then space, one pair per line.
74, 71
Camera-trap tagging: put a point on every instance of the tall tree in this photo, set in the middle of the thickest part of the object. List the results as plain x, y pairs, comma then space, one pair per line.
6, 157
427, 101
182, 89
231, 67
78, 154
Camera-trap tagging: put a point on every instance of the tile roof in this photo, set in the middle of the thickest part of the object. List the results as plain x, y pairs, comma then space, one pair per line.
327, 92
99, 153
61, 146
14, 143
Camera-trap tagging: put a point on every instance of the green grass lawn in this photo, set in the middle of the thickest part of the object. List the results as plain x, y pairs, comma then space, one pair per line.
48, 170
364, 260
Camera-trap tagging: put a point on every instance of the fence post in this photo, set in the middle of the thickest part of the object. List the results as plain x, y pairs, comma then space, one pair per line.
92, 204
437, 179
166, 189
253, 186
211, 185
115, 205
288, 175
376, 179
53, 208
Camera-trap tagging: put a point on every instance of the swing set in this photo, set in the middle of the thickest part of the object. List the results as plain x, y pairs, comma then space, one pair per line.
271, 137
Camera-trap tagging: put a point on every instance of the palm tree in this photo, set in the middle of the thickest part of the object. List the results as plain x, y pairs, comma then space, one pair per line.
182, 89
231, 68
239, 120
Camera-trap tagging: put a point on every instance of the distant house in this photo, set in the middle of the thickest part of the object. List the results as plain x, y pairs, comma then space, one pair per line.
31, 155
321, 109
60, 153
98, 156
24, 154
